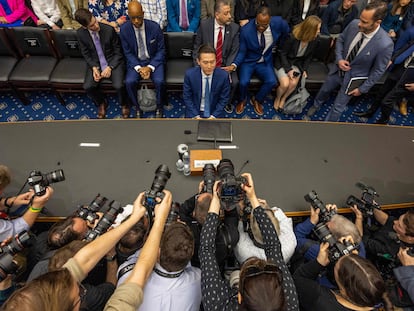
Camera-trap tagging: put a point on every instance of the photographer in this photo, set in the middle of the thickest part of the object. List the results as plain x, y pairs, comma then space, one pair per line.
405, 273
393, 234
61, 290
251, 242
360, 284
14, 201
264, 285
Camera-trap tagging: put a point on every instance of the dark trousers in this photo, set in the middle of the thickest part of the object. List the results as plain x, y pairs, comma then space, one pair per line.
132, 79
93, 88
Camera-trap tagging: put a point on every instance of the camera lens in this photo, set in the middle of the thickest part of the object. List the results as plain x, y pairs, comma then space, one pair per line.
55, 176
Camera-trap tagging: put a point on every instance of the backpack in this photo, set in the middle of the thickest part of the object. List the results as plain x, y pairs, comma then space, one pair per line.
297, 101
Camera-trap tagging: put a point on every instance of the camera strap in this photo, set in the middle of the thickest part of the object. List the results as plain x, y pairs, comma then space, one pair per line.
168, 275
126, 269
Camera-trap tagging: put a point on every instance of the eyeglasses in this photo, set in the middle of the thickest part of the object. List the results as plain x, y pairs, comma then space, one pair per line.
261, 25
255, 270
82, 294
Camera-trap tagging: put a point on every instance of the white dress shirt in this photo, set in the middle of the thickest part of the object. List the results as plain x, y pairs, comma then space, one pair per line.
46, 10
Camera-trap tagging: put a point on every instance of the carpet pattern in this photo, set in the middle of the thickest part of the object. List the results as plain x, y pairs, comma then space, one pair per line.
44, 106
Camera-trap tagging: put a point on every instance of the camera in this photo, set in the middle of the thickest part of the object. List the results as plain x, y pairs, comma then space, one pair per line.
105, 222
7, 252
173, 214
336, 248
209, 177
231, 192
40, 181
88, 212
162, 174
366, 204
324, 214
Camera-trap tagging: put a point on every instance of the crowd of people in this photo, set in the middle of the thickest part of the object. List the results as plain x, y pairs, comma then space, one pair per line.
218, 250
123, 41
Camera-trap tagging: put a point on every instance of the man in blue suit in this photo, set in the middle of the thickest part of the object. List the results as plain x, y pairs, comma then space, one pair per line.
257, 40
183, 15
143, 44
206, 88
363, 49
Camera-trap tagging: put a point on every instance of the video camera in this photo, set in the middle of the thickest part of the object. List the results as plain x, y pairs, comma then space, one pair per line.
230, 191
366, 204
105, 222
40, 181
88, 212
7, 252
162, 174
336, 248
324, 215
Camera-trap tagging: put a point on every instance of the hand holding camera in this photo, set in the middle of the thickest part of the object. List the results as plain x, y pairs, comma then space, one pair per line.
139, 208
162, 209
40, 201
323, 255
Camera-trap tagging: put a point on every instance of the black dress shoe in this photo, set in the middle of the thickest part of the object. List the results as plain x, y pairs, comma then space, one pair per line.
364, 114
382, 120
158, 113
139, 114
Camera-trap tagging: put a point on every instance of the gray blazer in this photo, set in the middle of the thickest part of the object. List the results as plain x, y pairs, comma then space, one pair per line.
205, 35
370, 62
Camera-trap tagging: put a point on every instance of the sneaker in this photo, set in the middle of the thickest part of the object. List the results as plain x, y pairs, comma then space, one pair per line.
229, 108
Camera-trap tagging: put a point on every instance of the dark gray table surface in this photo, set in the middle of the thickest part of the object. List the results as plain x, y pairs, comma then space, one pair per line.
286, 159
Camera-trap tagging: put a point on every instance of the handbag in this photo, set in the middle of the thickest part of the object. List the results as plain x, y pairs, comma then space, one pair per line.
297, 101
147, 99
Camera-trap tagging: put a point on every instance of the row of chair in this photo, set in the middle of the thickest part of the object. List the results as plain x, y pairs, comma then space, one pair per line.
39, 59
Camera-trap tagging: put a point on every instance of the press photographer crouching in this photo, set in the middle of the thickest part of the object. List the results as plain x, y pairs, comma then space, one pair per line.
251, 240
194, 212
264, 284
324, 224
61, 290
360, 286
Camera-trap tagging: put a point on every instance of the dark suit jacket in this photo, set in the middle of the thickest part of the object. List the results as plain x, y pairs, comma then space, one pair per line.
249, 50
286, 55
295, 13
371, 61
110, 46
154, 39
205, 35
219, 92
330, 15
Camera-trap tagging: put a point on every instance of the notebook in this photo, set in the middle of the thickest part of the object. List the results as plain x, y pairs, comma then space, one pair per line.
210, 130
354, 83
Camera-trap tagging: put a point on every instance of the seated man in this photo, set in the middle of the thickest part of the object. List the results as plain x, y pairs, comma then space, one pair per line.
67, 12
257, 40
15, 13
174, 284
143, 44
101, 49
183, 15
337, 16
206, 88
221, 33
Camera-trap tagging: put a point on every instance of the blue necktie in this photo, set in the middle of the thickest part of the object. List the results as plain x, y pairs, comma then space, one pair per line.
262, 42
207, 99
99, 51
141, 46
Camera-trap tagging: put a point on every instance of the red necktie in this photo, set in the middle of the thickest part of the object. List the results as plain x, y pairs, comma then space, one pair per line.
219, 48
184, 18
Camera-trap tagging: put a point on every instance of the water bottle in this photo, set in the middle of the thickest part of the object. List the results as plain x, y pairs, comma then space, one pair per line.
180, 165
186, 161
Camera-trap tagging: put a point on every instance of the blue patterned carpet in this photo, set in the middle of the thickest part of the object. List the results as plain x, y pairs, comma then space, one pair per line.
45, 106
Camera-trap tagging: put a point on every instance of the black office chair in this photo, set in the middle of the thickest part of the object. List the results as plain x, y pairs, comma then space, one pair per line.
179, 57
33, 71
8, 60
69, 73
318, 68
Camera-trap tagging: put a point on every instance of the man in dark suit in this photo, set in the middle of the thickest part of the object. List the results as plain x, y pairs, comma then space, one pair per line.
143, 44
223, 34
206, 88
101, 49
257, 40
363, 50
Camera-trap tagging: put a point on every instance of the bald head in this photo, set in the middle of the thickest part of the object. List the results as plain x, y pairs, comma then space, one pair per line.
135, 13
